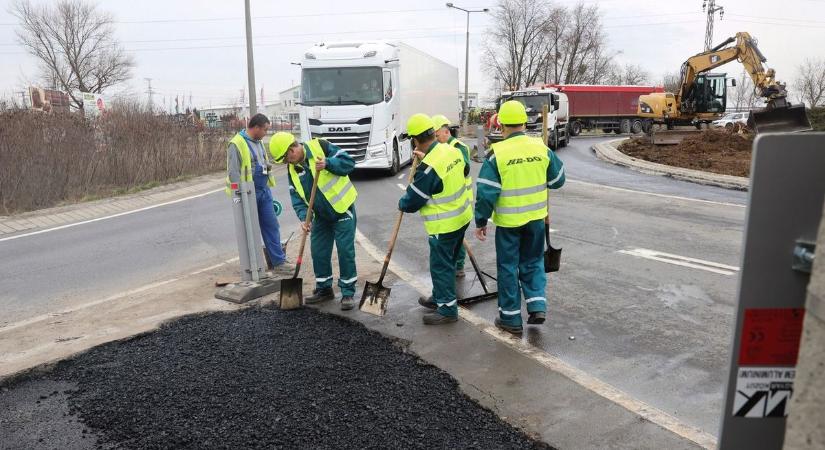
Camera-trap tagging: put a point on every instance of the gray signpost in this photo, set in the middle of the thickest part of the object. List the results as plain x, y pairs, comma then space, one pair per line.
784, 211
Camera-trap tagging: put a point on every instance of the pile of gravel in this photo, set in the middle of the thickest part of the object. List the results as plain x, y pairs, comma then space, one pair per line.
265, 378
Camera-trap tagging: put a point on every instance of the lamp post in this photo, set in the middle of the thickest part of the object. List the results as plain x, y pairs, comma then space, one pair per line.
466, 60
250, 63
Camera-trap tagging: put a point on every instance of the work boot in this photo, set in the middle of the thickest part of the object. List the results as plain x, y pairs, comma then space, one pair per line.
536, 318
347, 303
508, 328
435, 318
319, 296
427, 302
283, 270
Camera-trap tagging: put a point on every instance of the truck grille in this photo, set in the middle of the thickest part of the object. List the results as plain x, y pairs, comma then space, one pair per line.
354, 143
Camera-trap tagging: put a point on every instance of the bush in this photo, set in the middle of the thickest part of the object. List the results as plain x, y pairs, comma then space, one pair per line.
817, 118
46, 159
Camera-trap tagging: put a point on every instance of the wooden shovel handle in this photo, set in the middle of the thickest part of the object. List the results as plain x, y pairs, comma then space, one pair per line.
397, 226
307, 223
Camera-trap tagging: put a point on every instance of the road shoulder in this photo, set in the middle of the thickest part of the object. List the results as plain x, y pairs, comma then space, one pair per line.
608, 151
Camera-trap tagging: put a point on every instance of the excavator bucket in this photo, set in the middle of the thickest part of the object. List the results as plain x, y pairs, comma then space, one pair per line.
781, 119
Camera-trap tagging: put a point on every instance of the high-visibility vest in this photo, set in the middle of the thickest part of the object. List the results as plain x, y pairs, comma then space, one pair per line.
522, 163
451, 208
338, 190
246, 163
468, 180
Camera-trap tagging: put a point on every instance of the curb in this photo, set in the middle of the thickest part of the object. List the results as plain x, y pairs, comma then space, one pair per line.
608, 151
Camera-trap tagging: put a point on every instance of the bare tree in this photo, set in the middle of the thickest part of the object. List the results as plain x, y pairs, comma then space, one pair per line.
744, 95
629, 74
672, 81
75, 45
810, 82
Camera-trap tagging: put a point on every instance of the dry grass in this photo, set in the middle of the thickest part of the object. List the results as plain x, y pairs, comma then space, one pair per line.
46, 159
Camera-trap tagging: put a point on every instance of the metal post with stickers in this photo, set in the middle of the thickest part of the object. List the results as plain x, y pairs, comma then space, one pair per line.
783, 216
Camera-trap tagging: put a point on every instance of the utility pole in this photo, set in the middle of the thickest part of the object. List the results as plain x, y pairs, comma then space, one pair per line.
465, 104
250, 62
150, 92
710, 7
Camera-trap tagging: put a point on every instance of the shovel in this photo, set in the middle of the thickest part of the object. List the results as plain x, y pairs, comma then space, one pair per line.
292, 295
487, 295
375, 297
552, 256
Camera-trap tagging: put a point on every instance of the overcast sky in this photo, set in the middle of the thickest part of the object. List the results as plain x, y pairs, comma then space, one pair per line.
197, 46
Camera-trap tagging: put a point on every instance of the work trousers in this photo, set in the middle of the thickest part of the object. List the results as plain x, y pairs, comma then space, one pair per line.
444, 250
270, 228
520, 266
340, 232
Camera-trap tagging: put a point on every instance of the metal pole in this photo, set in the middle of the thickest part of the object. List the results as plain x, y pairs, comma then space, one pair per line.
250, 62
466, 74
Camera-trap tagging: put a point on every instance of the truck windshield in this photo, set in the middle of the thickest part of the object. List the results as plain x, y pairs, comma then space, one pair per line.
342, 86
533, 103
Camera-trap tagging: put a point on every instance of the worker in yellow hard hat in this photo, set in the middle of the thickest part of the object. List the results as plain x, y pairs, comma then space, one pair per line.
445, 136
512, 188
334, 218
440, 194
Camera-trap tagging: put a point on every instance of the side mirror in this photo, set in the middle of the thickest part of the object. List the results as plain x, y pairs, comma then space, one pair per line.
554, 101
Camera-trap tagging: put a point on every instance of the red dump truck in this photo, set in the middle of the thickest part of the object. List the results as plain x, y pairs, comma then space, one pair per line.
606, 108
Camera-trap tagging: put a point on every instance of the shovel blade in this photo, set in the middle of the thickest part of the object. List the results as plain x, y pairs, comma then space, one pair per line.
374, 299
292, 295
552, 260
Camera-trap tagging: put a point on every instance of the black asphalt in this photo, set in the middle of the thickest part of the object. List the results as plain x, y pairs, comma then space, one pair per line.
258, 378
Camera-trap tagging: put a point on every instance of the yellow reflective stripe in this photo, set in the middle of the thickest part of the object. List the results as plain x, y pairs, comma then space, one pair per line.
341, 194
522, 191
447, 215
520, 209
449, 198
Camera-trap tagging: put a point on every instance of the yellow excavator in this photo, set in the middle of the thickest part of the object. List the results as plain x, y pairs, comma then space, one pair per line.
702, 96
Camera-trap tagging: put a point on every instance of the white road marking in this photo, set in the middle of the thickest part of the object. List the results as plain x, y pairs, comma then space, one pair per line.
401, 186
587, 183
400, 176
555, 364
125, 213
684, 261
143, 288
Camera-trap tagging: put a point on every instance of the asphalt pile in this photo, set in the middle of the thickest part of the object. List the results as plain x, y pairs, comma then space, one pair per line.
718, 151
266, 378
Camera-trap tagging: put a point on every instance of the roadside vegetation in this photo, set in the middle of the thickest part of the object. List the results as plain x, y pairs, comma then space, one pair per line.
49, 159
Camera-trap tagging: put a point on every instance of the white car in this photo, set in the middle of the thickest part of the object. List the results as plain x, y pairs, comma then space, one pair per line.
730, 120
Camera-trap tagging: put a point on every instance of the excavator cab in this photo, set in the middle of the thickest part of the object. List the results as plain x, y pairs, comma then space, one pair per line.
707, 94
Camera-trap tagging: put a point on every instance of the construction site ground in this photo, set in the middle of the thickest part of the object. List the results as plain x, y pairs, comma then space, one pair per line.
718, 151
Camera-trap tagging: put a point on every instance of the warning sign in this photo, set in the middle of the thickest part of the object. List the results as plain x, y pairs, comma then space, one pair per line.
770, 336
763, 391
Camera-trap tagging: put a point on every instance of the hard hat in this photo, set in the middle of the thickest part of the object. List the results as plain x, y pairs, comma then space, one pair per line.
419, 124
440, 121
512, 112
278, 145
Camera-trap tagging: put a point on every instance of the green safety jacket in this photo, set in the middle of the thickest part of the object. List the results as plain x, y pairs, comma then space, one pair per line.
338, 190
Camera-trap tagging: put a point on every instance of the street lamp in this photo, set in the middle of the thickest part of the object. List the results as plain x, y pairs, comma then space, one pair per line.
466, 59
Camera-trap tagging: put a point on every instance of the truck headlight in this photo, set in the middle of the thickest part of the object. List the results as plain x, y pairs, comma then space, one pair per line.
378, 151
645, 108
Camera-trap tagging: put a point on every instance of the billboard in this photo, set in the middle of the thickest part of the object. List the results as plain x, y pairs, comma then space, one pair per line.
93, 104
48, 100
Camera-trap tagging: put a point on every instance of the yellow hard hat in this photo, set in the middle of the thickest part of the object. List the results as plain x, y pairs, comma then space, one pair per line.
512, 112
279, 144
440, 121
419, 124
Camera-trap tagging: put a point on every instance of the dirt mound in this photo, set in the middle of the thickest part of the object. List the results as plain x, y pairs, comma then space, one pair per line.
717, 151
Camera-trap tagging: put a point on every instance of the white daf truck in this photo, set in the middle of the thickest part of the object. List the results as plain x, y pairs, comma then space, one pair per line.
534, 98
359, 95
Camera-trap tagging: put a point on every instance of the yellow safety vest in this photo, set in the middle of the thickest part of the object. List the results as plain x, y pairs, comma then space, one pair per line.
246, 163
338, 190
522, 163
452, 208
468, 180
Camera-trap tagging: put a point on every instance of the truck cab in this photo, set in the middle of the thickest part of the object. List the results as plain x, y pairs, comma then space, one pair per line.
347, 98
534, 100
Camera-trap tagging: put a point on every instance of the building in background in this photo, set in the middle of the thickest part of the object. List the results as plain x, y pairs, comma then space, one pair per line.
289, 100
473, 100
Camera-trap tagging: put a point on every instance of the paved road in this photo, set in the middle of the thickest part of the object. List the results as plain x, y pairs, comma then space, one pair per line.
657, 329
